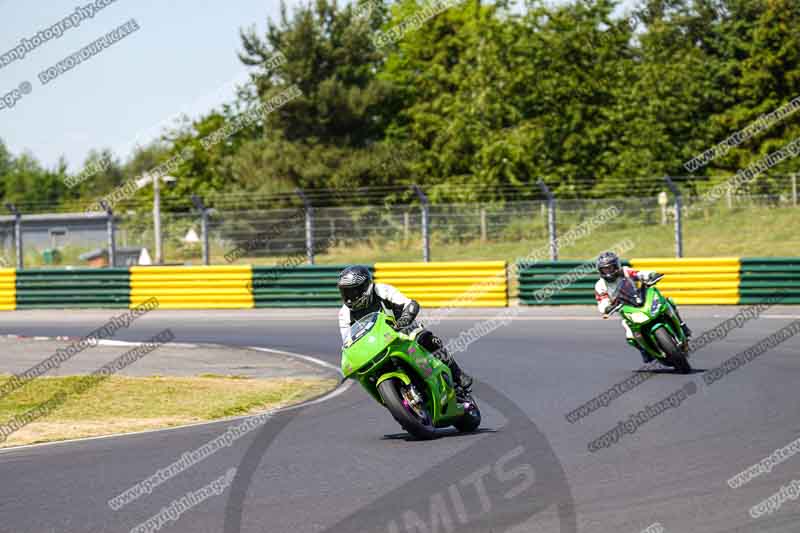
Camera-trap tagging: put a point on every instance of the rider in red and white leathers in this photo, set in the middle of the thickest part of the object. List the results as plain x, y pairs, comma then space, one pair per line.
602, 289
611, 275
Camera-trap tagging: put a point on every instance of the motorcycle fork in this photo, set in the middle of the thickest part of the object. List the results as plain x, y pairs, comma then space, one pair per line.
649, 347
676, 324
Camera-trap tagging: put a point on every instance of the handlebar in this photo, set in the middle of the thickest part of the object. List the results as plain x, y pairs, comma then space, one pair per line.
614, 308
617, 306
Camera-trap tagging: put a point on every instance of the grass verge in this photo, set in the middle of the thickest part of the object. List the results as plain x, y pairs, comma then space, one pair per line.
126, 404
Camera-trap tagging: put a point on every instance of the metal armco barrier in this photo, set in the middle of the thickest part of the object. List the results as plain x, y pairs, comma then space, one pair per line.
449, 283
57, 288
193, 287
298, 286
765, 276
8, 289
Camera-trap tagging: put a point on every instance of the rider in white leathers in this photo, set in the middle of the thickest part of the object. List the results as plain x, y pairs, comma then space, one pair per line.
611, 275
361, 296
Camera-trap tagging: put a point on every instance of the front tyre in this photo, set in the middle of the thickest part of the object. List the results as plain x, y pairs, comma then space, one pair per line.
675, 356
404, 402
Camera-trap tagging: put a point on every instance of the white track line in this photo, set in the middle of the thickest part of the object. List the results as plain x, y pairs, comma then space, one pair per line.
308, 358
340, 389
110, 342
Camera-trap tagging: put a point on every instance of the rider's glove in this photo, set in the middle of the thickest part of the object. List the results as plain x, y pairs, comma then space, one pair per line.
610, 305
409, 314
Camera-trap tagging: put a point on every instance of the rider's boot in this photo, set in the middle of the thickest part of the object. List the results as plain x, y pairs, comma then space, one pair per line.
646, 357
462, 382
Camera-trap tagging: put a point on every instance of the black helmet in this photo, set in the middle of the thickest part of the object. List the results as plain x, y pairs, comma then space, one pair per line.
609, 266
355, 285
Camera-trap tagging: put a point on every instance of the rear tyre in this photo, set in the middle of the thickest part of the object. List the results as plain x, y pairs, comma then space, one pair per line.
412, 416
675, 356
471, 419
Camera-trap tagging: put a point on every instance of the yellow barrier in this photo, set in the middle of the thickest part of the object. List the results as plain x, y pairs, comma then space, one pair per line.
195, 287
452, 283
8, 289
696, 280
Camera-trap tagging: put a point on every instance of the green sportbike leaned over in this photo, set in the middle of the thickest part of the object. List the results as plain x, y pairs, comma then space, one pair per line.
653, 321
412, 384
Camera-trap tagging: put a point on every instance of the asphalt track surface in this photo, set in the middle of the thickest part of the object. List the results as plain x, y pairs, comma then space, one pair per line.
343, 464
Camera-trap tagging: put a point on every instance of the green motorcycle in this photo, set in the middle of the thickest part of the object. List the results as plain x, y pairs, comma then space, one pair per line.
653, 321
412, 384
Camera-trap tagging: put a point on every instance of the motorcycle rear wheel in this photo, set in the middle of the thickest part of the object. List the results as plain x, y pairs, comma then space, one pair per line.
414, 419
677, 358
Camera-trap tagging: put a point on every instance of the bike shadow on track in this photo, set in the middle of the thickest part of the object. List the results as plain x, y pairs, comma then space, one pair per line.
440, 433
669, 371
505, 478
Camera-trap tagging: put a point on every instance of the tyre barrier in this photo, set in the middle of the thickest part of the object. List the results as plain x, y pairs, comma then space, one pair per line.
696, 280
689, 281
557, 283
58, 288
193, 287
449, 283
8, 289
762, 277
298, 286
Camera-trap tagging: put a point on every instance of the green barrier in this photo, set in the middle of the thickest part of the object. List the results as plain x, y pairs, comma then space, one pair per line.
537, 277
58, 288
762, 277
770, 260
298, 286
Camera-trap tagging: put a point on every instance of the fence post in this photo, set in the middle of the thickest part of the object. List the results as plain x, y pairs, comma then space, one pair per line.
663, 200
309, 225
17, 234
426, 231
551, 220
406, 226
678, 217
794, 189
483, 225
198, 203
159, 258
112, 251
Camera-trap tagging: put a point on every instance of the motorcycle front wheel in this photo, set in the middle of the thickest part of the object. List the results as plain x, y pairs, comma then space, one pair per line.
676, 356
406, 405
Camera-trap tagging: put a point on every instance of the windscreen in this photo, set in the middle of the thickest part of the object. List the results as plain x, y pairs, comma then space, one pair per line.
628, 293
361, 327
